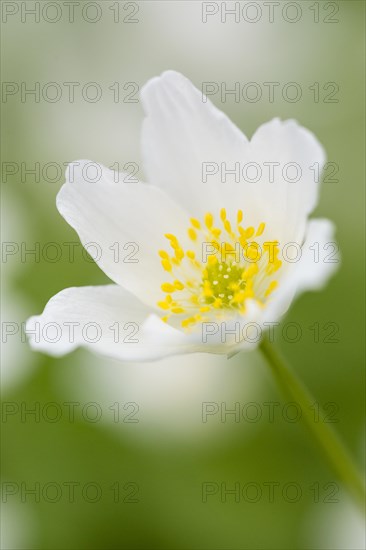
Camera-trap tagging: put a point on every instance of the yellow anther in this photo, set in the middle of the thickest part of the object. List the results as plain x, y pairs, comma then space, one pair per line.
186, 322
178, 310
260, 229
216, 232
190, 254
273, 267
166, 265
179, 254
195, 223
163, 254
178, 285
249, 272
209, 220
163, 305
228, 248
212, 260
234, 287
243, 241
239, 217
271, 247
216, 245
253, 252
271, 287
168, 287
171, 237
192, 234
249, 232
239, 297
217, 303
207, 290
249, 293
227, 226
228, 252
204, 309
165, 318
223, 214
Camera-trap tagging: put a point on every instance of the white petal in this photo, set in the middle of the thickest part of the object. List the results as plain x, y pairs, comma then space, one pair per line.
182, 130
106, 319
310, 272
292, 195
126, 222
234, 334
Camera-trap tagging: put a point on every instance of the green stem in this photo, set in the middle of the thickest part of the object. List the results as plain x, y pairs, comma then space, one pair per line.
326, 437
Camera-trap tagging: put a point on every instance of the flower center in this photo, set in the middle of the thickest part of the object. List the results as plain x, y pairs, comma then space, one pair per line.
225, 266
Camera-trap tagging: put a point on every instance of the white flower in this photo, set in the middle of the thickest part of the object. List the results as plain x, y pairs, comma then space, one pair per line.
211, 270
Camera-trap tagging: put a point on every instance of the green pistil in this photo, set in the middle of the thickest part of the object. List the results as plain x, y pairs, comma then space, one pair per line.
222, 277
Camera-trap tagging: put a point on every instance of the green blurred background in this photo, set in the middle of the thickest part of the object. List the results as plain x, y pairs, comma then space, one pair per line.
169, 453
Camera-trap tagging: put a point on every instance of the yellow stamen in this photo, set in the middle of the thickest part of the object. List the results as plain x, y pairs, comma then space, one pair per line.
192, 234
178, 310
260, 229
239, 269
167, 287
166, 265
227, 226
195, 223
271, 287
209, 220
212, 260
